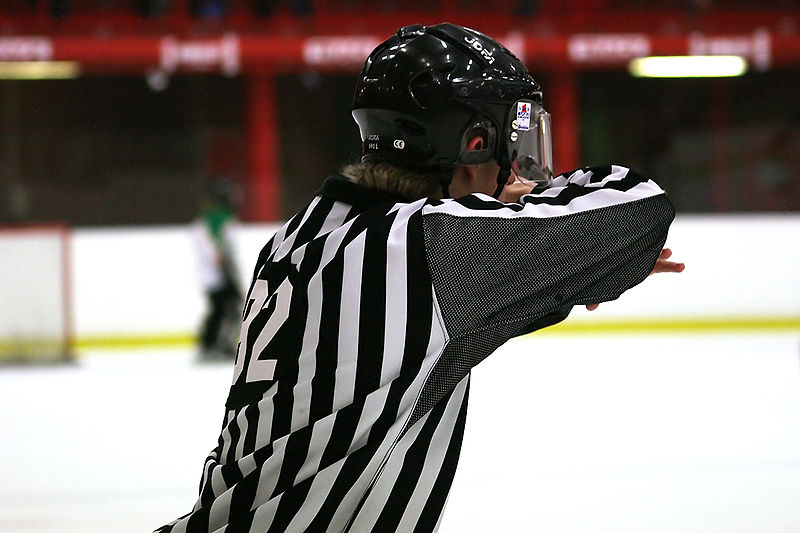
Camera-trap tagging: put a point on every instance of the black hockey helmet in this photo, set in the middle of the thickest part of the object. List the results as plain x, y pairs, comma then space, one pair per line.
426, 91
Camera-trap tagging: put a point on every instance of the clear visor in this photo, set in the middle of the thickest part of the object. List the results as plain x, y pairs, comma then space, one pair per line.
530, 148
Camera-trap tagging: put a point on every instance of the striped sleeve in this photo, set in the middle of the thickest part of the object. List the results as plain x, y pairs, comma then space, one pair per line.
594, 234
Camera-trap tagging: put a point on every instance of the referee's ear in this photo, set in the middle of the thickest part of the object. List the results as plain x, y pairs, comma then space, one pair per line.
476, 143
466, 177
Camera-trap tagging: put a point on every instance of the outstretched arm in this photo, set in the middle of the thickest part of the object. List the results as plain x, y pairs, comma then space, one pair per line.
519, 187
589, 237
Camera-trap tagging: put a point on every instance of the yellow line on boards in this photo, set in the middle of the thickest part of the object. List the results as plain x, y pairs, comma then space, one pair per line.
677, 325
136, 341
568, 327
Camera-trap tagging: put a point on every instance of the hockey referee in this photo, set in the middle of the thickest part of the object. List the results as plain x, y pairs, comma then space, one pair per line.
368, 309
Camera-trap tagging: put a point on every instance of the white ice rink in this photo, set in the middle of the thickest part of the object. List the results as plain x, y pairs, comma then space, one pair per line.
672, 433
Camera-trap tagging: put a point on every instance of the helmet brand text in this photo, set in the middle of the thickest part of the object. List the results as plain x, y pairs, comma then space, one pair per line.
478, 47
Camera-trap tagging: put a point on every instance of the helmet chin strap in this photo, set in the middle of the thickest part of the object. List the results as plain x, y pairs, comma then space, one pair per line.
502, 178
445, 189
445, 177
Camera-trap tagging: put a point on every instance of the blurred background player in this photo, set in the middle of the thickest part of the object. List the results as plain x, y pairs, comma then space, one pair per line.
213, 238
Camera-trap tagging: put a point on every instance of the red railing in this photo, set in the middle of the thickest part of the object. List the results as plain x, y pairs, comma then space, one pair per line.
20, 17
231, 53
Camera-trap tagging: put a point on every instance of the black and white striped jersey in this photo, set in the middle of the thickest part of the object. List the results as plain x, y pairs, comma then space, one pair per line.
365, 315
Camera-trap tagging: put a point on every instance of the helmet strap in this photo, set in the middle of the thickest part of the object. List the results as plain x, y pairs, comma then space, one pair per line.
502, 178
445, 178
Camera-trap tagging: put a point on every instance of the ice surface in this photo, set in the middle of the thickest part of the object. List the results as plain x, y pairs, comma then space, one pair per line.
633, 434
694, 433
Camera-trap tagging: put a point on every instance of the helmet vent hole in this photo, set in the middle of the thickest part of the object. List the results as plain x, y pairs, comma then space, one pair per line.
427, 90
412, 128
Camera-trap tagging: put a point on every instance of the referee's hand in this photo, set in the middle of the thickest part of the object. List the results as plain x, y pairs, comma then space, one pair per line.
662, 265
515, 189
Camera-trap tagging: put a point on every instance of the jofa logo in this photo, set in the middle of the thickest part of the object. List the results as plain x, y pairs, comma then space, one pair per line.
474, 43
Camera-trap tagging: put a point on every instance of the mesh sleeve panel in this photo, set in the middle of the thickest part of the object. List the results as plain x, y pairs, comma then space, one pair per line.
488, 271
496, 278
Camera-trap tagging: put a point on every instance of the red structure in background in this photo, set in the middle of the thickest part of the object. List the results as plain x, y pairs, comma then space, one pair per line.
262, 201
555, 38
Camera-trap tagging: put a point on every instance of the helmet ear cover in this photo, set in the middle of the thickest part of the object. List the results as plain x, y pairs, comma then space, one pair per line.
468, 155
